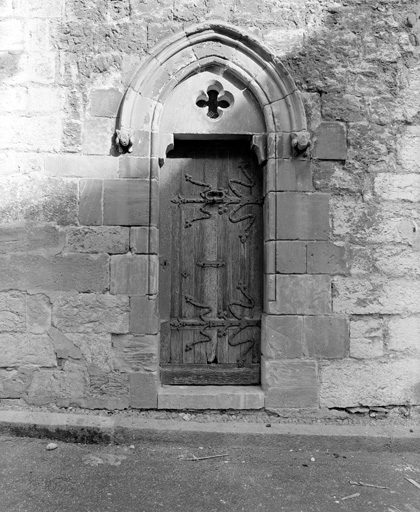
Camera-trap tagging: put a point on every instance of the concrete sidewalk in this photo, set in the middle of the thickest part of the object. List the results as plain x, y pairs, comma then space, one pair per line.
121, 429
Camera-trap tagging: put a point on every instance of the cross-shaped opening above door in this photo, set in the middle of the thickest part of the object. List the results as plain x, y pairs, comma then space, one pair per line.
215, 99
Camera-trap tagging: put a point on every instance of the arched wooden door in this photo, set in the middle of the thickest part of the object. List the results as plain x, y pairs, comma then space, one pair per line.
211, 264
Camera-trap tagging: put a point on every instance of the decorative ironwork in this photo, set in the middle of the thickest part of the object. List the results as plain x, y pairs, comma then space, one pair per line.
214, 264
223, 323
225, 199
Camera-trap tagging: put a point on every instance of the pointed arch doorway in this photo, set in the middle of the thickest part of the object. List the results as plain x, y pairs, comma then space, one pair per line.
211, 264
213, 82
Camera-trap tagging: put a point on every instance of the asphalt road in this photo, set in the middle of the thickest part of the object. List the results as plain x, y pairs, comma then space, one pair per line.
293, 474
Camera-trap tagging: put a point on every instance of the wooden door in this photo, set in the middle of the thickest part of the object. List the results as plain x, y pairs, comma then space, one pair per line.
211, 251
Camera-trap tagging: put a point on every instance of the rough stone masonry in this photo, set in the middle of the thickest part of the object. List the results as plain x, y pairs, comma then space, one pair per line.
79, 324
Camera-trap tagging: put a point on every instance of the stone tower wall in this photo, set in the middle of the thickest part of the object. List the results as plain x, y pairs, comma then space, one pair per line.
77, 245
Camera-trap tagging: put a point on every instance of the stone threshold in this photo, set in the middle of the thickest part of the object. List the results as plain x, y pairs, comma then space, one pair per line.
210, 397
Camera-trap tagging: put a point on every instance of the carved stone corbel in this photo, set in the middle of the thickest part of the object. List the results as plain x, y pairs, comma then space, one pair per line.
301, 142
166, 144
124, 140
259, 146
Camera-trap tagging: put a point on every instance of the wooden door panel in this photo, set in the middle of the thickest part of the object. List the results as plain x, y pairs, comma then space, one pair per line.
211, 264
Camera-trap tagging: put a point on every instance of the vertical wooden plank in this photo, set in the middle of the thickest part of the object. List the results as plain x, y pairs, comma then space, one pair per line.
210, 243
189, 336
176, 342
165, 342
167, 184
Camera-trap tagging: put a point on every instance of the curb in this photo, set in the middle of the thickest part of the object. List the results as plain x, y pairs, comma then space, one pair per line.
122, 430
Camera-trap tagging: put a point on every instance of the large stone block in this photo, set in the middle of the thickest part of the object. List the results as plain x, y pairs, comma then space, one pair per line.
38, 313
12, 275
290, 257
105, 102
326, 258
36, 67
397, 261
95, 349
63, 347
144, 390
110, 403
104, 383
38, 199
13, 99
135, 167
326, 337
330, 141
387, 222
144, 240
37, 36
97, 136
134, 274
20, 349
14, 162
91, 202
360, 296
101, 239
84, 273
282, 337
366, 338
90, 313
37, 133
302, 216
82, 166
270, 216
301, 295
398, 187
210, 397
342, 107
409, 149
47, 9
288, 175
72, 136
331, 175
80, 272
126, 202
144, 318
141, 145
48, 386
135, 353
11, 35
291, 384
404, 335
373, 383
45, 99
14, 383
283, 41
12, 312
9, 65
45, 239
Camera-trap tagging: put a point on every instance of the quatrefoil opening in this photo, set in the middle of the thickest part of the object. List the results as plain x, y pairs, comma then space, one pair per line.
215, 99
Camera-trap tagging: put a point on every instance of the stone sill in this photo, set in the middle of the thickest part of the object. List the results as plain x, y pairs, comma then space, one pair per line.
210, 397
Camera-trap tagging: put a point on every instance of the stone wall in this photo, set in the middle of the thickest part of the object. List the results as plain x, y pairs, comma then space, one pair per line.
78, 253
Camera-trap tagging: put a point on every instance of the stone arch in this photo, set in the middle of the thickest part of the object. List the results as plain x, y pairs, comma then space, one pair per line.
210, 45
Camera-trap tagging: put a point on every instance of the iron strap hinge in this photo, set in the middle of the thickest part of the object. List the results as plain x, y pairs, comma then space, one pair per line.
214, 264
